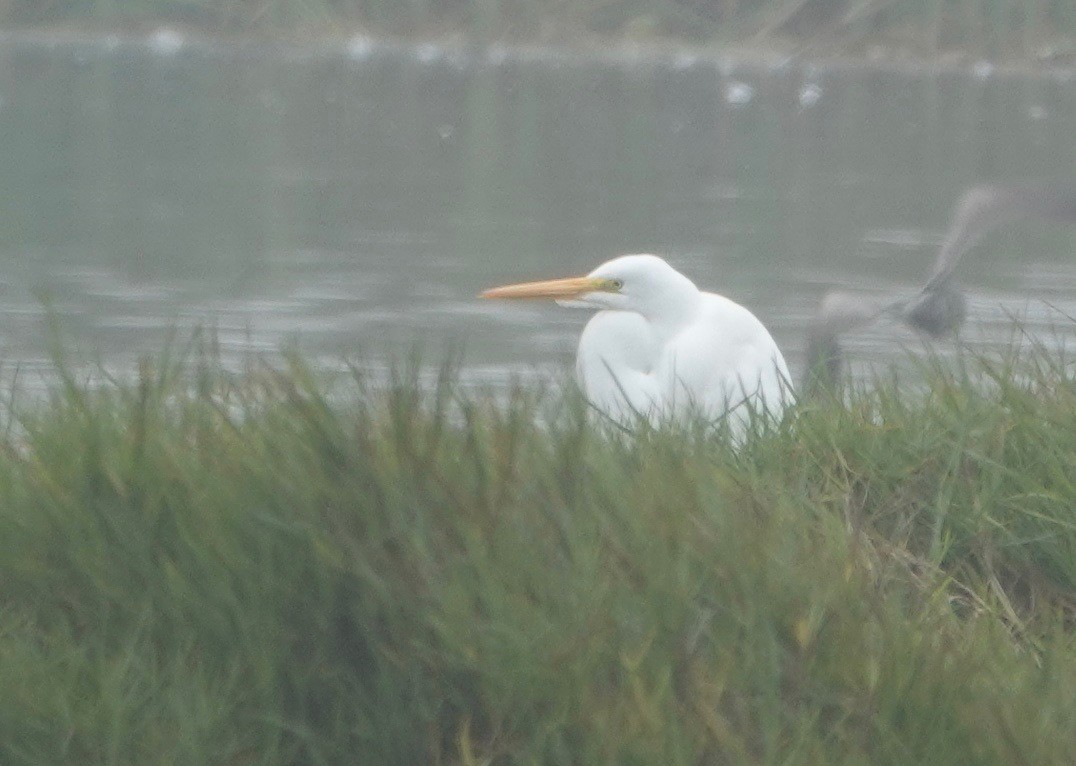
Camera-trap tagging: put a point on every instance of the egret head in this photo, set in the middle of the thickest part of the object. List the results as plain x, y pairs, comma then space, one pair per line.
628, 283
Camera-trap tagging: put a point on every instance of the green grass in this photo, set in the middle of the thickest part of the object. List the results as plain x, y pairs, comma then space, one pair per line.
198, 568
998, 28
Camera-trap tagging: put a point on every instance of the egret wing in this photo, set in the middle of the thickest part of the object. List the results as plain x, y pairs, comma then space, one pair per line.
723, 360
985, 208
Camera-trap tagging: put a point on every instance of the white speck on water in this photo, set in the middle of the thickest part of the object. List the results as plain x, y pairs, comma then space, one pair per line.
809, 95
445, 131
1036, 112
167, 41
738, 93
360, 48
496, 55
428, 54
685, 61
982, 69
111, 43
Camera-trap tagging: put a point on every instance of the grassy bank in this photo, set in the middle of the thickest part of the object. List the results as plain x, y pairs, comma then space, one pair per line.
199, 569
995, 28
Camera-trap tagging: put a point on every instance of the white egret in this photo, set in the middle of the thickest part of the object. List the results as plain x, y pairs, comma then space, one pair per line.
938, 308
660, 347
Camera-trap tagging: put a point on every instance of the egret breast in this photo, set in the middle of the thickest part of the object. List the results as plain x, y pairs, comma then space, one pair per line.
615, 364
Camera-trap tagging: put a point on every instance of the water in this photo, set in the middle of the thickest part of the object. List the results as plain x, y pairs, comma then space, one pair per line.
353, 199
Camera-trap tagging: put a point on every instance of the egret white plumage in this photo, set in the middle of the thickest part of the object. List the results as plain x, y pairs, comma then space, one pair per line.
660, 347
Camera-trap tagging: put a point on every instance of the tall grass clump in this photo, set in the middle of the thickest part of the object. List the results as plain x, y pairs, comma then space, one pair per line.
198, 567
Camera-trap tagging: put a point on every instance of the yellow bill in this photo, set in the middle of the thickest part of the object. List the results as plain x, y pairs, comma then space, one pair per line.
559, 289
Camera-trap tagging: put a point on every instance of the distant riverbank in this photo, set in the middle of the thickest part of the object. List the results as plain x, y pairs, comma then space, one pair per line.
172, 39
1035, 34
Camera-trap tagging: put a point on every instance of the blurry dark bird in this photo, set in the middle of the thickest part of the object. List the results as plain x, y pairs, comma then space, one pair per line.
938, 308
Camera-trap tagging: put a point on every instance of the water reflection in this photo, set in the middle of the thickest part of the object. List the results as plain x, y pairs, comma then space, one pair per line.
356, 197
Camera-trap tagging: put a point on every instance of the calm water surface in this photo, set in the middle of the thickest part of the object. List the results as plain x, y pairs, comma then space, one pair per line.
354, 200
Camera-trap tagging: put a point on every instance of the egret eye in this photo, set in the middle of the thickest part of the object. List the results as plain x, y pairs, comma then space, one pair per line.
617, 283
